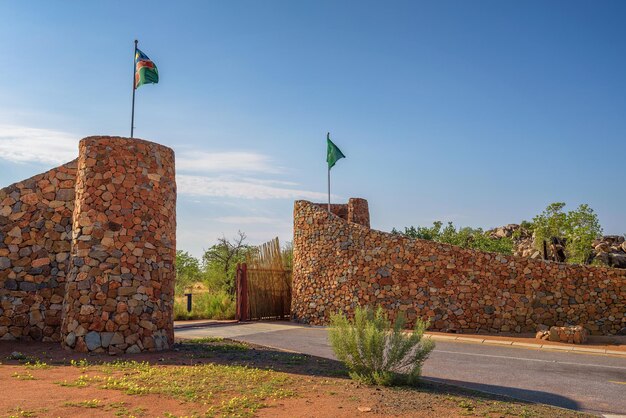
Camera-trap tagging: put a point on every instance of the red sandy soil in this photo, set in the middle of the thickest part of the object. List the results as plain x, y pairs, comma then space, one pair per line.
321, 387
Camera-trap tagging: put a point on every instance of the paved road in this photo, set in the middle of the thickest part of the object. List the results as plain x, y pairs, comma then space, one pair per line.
592, 383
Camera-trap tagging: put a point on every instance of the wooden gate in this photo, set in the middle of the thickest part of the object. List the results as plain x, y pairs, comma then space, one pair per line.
263, 284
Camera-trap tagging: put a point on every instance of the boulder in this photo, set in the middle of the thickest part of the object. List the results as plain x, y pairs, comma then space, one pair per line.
617, 260
70, 339
572, 334
93, 341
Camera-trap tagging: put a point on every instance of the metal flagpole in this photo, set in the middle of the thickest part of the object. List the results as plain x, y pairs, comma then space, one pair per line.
329, 189
132, 117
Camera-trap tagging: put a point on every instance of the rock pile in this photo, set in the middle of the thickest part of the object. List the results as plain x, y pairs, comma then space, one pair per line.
609, 250
571, 334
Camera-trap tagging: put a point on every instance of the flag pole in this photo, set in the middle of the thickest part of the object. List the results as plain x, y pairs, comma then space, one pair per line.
132, 117
328, 189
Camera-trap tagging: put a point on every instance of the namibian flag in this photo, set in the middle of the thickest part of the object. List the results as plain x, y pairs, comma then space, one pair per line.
145, 70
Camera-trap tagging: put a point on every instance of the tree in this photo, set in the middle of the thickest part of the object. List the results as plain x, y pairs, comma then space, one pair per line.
422, 232
579, 227
552, 222
220, 261
187, 270
465, 237
583, 227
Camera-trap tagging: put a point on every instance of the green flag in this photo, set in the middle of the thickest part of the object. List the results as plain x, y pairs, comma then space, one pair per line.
333, 153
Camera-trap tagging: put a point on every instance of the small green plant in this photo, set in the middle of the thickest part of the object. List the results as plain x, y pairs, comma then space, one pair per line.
94, 403
377, 352
37, 364
18, 412
23, 376
81, 382
82, 364
204, 340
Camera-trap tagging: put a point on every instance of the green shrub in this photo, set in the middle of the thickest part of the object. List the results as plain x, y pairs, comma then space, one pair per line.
218, 305
580, 227
377, 352
465, 237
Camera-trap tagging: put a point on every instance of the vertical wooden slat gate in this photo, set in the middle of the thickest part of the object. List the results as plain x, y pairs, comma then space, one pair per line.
263, 285
241, 286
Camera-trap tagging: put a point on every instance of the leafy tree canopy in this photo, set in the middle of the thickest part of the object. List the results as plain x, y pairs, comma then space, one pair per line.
187, 270
580, 227
220, 261
465, 237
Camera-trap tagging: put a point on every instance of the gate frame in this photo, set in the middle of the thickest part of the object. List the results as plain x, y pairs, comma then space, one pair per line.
241, 283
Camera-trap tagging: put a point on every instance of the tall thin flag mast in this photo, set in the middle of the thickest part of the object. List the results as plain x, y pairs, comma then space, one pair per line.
132, 117
333, 154
144, 72
329, 188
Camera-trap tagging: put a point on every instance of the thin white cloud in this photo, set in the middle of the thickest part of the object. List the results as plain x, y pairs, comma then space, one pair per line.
49, 147
231, 161
269, 181
224, 186
33, 145
247, 220
46, 146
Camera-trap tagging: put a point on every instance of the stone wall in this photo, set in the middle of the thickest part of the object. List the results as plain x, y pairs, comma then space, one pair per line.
120, 289
35, 233
339, 265
356, 210
87, 250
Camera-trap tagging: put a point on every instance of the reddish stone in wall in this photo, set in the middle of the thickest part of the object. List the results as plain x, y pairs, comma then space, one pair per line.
339, 265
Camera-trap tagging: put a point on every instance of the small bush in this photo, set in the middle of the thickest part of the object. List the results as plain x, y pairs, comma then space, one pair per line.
377, 352
219, 305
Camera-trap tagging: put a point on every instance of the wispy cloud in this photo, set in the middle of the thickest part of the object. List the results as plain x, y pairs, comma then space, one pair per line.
33, 145
227, 186
21, 144
232, 161
247, 220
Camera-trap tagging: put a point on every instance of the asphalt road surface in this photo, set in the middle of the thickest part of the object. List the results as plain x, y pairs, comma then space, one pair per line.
583, 382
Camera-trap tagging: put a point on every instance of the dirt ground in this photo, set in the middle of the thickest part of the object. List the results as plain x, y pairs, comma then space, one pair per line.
212, 377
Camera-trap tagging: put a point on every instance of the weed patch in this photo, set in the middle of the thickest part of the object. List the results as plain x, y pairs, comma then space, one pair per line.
81, 382
232, 390
37, 364
94, 403
23, 375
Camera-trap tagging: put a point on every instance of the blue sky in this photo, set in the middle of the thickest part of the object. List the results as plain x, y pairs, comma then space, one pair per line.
481, 113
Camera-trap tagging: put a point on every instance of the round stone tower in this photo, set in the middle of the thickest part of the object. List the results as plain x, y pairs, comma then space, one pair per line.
120, 284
